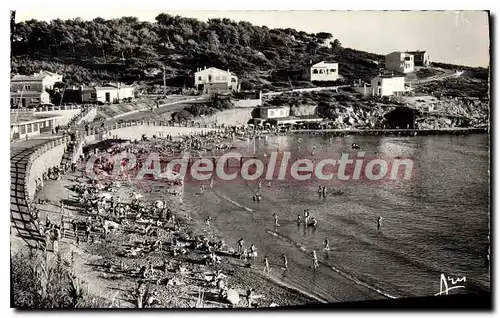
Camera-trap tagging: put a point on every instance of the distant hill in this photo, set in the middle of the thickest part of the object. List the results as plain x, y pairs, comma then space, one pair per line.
122, 49
129, 50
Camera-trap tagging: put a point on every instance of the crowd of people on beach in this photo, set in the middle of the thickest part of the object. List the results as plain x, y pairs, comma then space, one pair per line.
107, 210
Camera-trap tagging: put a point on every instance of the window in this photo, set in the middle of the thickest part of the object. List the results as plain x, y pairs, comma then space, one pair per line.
217, 78
209, 78
233, 80
22, 129
224, 78
408, 58
333, 70
30, 128
281, 112
321, 71
27, 87
315, 71
35, 127
199, 78
379, 83
271, 113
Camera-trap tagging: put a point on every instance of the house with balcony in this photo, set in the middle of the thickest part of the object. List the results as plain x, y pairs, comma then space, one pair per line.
388, 85
402, 62
213, 80
421, 58
324, 71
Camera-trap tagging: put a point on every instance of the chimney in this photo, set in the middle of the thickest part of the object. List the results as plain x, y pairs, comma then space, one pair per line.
205, 67
228, 71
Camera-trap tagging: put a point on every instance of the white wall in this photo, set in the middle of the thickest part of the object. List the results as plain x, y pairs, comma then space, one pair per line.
135, 132
327, 75
389, 85
48, 159
66, 115
250, 103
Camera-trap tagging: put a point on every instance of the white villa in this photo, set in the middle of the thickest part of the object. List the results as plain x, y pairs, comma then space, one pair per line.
212, 79
324, 71
402, 62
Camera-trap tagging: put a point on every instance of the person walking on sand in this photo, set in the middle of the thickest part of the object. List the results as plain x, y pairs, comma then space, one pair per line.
379, 222
315, 260
266, 265
327, 244
299, 219
325, 191
285, 261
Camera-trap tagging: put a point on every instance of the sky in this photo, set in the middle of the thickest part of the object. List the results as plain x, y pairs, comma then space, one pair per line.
457, 37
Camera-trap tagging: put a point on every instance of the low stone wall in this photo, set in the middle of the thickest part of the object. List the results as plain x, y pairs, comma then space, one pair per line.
65, 115
40, 164
247, 103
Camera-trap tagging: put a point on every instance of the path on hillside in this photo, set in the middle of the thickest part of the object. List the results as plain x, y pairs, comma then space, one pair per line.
447, 74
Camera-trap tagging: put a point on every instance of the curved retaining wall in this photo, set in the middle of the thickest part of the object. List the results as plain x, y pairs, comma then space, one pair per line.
24, 169
30, 163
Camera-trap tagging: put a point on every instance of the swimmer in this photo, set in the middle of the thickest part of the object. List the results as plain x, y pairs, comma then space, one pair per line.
285, 261
241, 243
275, 219
266, 264
314, 222
379, 222
306, 216
315, 260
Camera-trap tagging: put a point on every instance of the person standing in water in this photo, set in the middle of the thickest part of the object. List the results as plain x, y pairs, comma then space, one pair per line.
275, 219
306, 217
240, 245
379, 222
266, 264
327, 244
315, 260
285, 261
320, 191
325, 191
201, 189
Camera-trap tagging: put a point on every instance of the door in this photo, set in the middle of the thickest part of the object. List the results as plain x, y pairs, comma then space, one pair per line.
380, 91
23, 102
108, 97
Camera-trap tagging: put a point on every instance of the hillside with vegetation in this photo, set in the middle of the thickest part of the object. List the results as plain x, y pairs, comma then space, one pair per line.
126, 48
